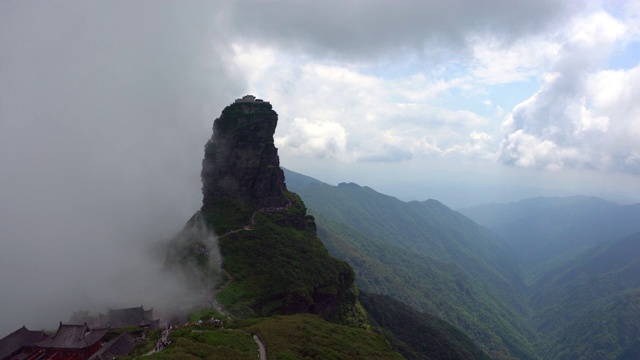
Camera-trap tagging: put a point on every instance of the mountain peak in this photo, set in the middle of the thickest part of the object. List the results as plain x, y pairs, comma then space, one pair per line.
241, 160
273, 259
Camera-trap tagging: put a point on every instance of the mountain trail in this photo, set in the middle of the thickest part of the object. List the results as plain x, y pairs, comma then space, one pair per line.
211, 295
261, 348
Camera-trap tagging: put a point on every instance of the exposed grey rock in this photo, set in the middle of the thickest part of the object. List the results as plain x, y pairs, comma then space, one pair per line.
241, 160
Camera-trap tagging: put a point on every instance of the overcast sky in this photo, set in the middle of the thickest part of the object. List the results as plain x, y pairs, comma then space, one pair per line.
105, 108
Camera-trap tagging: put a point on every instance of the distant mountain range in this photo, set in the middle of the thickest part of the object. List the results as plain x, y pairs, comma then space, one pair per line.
560, 279
428, 256
544, 232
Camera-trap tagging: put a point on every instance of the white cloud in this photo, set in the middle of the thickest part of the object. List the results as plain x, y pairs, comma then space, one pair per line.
386, 119
597, 29
582, 116
479, 145
597, 128
527, 150
500, 63
571, 121
318, 139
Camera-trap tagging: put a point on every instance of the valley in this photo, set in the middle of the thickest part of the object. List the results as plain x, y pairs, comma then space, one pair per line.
495, 292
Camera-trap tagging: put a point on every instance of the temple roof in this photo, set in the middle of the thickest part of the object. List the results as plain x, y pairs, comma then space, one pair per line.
120, 346
136, 316
73, 337
19, 338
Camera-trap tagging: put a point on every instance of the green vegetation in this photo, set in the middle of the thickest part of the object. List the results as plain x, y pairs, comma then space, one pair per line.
281, 269
590, 307
206, 342
433, 286
142, 346
204, 314
302, 336
430, 258
585, 308
306, 336
228, 214
419, 336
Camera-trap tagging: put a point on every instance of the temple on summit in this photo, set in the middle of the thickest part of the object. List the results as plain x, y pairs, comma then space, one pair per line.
117, 318
248, 99
119, 346
71, 342
136, 316
20, 344
81, 342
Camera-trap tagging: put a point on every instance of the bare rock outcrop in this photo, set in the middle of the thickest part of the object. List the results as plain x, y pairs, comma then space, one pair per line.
241, 160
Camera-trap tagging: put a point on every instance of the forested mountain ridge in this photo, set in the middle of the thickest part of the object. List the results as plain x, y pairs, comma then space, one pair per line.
407, 329
584, 307
584, 255
428, 256
545, 231
590, 307
427, 227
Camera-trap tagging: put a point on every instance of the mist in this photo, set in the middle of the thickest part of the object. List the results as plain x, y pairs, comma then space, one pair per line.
105, 108
104, 112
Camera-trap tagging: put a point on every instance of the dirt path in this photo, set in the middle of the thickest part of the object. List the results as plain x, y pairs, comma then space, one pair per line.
211, 296
248, 227
261, 348
253, 217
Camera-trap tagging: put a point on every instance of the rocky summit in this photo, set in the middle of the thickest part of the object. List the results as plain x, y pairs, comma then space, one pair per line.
274, 263
241, 160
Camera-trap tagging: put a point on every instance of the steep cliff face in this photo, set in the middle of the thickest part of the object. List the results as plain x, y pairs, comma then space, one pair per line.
241, 160
268, 243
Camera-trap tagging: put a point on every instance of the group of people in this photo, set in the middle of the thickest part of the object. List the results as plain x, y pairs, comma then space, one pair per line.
164, 339
281, 208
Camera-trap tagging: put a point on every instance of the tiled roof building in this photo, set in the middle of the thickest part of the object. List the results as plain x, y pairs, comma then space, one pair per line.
119, 346
20, 343
136, 316
73, 342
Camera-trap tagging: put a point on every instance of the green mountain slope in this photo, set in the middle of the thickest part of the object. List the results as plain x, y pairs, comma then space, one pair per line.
428, 257
433, 286
300, 336
544, 232
589, 308
419, 336
306, 336
278, 269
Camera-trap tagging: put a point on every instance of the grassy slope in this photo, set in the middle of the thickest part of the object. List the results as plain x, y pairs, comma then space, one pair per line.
301, 336
306, 336
281, 267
